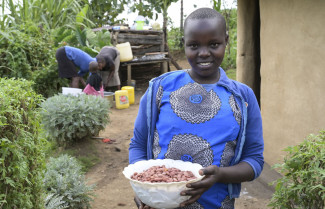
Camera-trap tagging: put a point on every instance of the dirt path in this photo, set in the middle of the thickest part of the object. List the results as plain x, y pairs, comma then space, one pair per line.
114, 191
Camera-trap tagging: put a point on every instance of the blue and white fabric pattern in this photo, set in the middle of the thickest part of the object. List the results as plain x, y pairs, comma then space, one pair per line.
198, 125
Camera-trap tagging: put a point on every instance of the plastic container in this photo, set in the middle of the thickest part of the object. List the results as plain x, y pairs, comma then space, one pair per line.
161, 195
121, 99
130, 90
72, 91
155, 26
139, 25
139, 22
110, 97
125, 51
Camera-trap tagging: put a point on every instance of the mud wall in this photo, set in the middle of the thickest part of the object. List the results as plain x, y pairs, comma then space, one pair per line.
292, 72
292, 98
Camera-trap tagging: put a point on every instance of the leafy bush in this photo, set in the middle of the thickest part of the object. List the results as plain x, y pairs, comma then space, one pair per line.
303, 183
67, 118
174, 39
22, 159
32, 57
65, 184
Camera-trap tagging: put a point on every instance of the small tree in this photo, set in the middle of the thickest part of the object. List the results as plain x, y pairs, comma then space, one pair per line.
303, 181
105, 12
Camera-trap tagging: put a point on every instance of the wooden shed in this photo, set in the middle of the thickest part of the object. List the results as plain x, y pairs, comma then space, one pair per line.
147, 48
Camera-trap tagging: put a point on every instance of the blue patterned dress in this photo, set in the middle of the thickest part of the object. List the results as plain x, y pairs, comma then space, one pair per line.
198, 123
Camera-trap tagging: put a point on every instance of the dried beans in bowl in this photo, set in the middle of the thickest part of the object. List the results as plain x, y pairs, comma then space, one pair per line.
159, 174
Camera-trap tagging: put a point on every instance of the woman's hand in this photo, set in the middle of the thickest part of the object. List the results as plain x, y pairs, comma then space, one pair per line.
198, 188
213, 174
140, 204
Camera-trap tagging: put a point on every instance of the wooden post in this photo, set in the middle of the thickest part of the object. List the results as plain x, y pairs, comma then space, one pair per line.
129, 75
164, 67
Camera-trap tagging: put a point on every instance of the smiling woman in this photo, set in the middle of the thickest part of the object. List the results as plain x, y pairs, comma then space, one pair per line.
205, 48
209, 115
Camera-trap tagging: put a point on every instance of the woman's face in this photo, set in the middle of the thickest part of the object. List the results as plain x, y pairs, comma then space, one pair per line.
205, 41
101, 64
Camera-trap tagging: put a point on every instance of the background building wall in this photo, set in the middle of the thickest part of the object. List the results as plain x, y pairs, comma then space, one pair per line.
292, 68
292, 72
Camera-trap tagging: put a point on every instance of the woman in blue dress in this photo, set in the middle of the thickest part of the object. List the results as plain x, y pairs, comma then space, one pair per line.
70, 59
202, 116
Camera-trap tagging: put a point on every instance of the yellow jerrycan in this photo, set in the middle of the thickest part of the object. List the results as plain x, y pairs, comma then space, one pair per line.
121, 99
125, 51
130, 90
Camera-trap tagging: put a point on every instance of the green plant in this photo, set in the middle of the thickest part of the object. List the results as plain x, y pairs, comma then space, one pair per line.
175, 39
98, 11
65, 182
27, 47
53, 201
231, 73
30, 56
22, 150
67, 118
48, 14
303, 183
229, 61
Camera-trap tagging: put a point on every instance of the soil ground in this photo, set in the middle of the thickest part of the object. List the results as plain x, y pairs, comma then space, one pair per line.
113, 191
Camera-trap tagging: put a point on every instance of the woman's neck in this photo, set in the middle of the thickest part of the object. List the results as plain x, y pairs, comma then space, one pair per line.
214, 78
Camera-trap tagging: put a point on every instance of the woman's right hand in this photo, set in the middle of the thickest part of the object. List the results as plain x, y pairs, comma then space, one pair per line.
140, 204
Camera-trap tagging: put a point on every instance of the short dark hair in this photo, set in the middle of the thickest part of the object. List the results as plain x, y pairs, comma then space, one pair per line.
93, 66
205, 13
109, 63
100, 58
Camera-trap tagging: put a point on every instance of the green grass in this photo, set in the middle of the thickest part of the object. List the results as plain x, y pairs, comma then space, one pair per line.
88, 162
231, 73
86, 159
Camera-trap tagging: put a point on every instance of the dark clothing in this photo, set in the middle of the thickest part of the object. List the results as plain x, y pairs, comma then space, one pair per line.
95, 81
109, 54
112, 58
70, 59
67, 68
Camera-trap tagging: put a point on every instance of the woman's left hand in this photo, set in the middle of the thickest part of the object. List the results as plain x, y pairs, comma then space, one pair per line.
198, 188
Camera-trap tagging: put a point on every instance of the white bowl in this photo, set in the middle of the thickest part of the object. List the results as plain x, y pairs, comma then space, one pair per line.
161, 195
72, 91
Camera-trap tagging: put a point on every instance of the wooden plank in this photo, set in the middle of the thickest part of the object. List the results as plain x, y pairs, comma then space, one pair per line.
141, 62
154, 53
139, 47
139, 31
142, 51
137, 41
140, 36
129, 75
